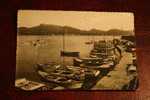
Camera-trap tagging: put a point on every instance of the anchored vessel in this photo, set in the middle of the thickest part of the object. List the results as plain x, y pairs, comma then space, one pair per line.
70, 53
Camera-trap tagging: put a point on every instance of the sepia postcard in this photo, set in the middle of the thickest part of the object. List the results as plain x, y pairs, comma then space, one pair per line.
75, 50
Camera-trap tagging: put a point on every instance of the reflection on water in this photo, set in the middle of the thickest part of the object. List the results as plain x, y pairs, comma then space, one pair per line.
42, 49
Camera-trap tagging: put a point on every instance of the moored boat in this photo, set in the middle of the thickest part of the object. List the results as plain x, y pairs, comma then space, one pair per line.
89, 42
70, 53
62, 81
28, 85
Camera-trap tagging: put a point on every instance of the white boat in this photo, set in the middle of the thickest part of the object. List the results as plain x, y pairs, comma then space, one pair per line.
27, 85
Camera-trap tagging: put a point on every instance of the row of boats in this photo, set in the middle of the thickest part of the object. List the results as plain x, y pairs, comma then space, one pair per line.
65, 76
100, 61
102, 58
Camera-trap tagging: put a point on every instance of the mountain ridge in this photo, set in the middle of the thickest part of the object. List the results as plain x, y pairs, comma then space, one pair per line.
49, 29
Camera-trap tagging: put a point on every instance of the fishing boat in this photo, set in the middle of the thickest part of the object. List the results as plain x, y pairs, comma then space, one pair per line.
62, 81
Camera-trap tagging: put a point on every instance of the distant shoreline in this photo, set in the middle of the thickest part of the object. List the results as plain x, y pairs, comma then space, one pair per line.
44, 29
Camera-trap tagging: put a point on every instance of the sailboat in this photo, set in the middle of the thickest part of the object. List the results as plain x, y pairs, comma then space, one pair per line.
68, 53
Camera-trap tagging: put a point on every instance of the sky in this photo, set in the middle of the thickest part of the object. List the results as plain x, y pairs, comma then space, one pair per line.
84, 20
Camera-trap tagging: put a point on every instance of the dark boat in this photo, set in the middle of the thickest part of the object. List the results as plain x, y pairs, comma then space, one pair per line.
90, 42
129, 38
70, 53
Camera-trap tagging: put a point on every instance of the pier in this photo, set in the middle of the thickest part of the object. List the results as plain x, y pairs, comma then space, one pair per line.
118, 77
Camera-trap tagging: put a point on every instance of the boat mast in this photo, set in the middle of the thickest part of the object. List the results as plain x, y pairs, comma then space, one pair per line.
65, 31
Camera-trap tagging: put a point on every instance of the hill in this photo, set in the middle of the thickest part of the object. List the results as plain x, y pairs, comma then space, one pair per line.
46, 29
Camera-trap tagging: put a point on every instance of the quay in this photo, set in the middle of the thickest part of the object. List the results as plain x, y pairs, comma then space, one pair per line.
118, 77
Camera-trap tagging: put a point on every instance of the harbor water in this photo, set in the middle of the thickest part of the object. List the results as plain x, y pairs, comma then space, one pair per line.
32, 50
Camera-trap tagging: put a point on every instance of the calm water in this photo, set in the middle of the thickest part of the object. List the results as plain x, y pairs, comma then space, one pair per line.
42, 49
